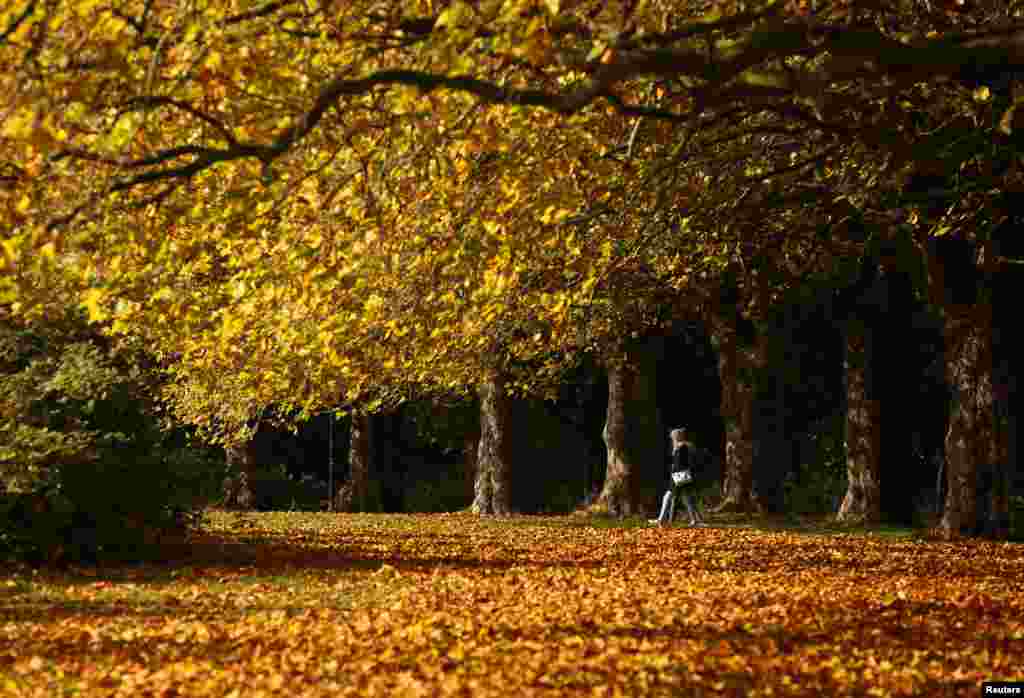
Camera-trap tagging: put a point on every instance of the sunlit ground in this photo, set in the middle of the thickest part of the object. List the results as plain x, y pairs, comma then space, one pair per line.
390, 605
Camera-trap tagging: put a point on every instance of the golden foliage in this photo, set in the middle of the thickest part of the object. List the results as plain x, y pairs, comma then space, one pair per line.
322, 203
328, 605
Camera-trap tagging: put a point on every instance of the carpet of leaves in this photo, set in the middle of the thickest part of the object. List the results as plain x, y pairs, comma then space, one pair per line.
337, 605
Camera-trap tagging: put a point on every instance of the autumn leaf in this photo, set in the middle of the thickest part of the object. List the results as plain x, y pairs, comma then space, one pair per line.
325, 604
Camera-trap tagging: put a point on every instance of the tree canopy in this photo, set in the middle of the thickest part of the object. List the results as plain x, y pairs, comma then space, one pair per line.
312, 203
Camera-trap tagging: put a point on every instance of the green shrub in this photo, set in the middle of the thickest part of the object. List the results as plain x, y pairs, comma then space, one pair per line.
118, 506
87, 470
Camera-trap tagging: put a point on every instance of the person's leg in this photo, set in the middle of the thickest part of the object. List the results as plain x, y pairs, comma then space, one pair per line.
690, 508
667, 507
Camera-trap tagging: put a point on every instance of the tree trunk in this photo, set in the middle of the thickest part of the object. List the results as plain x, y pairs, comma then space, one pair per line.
863, 421
737, 411
364, 480
634, 437
241, 462
616, 495
492, 491
970, 438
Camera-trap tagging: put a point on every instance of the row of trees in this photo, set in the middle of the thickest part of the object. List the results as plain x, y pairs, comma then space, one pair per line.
310, 204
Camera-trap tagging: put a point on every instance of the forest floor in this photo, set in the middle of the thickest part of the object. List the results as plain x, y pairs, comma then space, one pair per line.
303, 604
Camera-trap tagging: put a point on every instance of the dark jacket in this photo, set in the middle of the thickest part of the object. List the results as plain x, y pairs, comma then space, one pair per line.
683, 458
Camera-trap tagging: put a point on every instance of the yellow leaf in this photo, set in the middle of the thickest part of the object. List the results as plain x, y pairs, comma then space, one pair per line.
451, 16
20, 124
92, 301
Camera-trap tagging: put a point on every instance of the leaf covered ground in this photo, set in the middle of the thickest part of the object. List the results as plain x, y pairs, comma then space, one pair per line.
336, 605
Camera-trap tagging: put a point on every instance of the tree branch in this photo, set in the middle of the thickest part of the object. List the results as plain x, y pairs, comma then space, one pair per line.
261, 11
723, 76
157, 158
158, 101
207, 157
811, 160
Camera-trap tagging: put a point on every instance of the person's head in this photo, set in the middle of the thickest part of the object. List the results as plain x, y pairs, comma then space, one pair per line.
677, 437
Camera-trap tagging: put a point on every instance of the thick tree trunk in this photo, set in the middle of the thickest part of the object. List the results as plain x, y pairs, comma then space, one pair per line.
973, 445
863, 422
634, 437
616, 495
241, 461
364, 480
492, 491
737, 411
970, 438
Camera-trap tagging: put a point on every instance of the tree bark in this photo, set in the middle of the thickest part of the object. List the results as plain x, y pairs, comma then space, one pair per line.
970, 438
971, 435
364, 480
863, 423
737, 411
616, 495
634, 436
492, 490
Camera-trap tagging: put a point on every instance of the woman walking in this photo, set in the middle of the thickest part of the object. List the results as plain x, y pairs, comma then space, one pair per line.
683, 478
